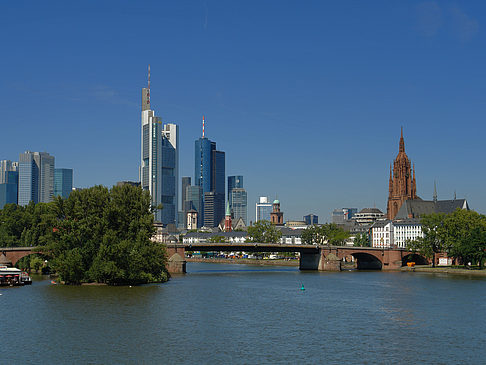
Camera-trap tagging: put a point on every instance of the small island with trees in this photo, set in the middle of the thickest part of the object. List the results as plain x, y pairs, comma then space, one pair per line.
96, 235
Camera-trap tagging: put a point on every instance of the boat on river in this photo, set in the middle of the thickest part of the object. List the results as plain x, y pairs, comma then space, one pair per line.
11, 276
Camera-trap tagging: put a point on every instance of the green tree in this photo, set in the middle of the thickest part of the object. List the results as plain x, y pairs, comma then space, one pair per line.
105, 236
465, 236
328, 233
216, 239
313, 235
362, 240
433, 240
263, 232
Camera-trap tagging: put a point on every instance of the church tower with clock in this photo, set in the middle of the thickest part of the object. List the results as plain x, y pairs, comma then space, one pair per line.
402, 184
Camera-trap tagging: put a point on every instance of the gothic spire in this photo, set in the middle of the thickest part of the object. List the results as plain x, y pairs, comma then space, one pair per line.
402, 143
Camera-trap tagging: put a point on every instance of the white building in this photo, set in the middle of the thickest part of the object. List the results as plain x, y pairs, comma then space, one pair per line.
263, 209
386, 234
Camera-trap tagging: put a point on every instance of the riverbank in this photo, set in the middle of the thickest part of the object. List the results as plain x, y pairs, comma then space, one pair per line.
445, 270
244, 261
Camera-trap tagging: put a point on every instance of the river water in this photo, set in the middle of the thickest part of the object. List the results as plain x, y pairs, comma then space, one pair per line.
239, 314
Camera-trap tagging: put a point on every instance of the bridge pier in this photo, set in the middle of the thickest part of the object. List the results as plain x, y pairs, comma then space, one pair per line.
176, 263
309, 261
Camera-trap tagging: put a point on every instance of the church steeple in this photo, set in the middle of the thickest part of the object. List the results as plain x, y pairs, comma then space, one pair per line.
402, 143
402, 185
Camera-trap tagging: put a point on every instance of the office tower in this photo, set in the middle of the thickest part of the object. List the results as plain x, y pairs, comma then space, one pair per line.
209, 174
194, 201
234, 182
36, 177
63, 182
311, 219
339, 216
9, 188
5, 167
239, 207
213, 208
263, 209
159, 161
186, 181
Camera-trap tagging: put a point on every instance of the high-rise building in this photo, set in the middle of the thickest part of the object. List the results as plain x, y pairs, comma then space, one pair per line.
311, 219
209, 174
213, 208
63, 182
233, 183
263, 209
402, 185
5, 167
194, 201
339, 216
9, 188
239, 207
36, 177
159, 161
186, 181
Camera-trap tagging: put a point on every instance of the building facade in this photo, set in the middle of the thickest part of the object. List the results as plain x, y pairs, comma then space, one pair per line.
234, 182
263, 209
342, 215
276, 217
239, 207
396, 233
36, 178
63, 182
159, 161
368, 216
311, 219
209, 174
9, 188
401, 185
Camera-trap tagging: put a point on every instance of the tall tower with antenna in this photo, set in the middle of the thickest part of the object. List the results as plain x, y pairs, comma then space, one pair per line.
159, 160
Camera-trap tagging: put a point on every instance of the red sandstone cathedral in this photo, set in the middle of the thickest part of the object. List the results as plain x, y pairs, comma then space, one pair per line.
402, 182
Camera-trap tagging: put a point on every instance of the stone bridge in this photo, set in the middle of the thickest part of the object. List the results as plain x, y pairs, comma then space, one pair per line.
312, 257
323, 258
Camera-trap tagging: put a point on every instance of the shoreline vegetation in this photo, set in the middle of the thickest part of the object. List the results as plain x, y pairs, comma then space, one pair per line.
96, 235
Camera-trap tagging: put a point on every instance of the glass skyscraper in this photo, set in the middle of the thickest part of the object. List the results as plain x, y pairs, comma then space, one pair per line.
36, 177
9, 188
63, 182
234, 182
209, 174
239, 206
263, 209
159, 166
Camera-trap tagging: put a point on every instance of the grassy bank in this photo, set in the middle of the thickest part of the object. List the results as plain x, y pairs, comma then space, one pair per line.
446, 270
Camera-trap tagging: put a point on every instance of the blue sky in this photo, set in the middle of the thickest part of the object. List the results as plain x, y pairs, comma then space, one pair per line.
306, 98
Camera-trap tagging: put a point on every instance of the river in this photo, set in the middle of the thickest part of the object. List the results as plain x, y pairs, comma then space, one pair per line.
240, 314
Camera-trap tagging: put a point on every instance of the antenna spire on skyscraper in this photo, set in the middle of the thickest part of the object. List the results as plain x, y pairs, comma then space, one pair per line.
148, 93
203, 126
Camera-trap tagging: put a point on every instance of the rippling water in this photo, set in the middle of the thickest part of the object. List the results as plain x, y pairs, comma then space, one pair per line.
221, 314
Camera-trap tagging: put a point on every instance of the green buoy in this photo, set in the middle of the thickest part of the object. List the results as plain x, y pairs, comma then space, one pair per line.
302, 287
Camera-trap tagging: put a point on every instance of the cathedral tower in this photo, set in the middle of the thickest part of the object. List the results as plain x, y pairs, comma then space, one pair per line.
402, 184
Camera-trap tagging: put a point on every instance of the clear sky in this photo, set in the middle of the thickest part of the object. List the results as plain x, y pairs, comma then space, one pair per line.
305, 97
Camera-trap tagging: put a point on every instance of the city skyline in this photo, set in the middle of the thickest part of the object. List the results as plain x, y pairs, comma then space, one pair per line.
336, 95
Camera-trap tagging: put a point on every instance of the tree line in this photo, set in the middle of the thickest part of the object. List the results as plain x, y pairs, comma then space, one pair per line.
461, 234
96, 235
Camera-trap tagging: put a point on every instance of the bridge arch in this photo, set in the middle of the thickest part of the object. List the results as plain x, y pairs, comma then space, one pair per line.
367, 261
414, 257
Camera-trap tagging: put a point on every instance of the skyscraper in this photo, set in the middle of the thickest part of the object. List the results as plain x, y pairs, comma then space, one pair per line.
209, 174
5, 167
263, 209
9, 188
36, 177
194, 200
234, 182
159, 167
239, 206
63, 182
